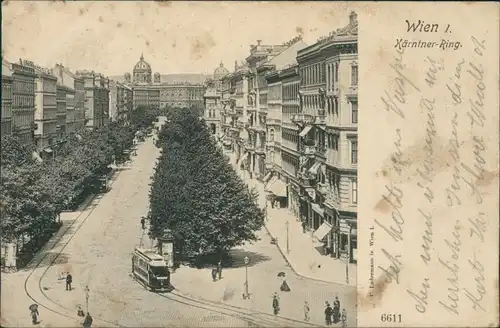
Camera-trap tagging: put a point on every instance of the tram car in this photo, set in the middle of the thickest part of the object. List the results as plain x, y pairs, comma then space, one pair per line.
151, 270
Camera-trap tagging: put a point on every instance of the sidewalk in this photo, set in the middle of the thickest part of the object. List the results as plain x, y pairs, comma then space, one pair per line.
305, 260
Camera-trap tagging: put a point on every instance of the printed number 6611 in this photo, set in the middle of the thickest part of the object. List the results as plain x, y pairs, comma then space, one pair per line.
387, 317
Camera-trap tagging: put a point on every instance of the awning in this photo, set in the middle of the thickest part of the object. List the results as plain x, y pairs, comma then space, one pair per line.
278, 188
270, 183
267, 177
245, 155
304, 132
322, 231
316, 208
48, 150
314, 168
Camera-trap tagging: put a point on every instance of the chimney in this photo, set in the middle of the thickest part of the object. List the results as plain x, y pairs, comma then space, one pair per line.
258, 42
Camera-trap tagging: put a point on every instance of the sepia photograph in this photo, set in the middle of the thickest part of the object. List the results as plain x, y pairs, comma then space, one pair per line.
179, 164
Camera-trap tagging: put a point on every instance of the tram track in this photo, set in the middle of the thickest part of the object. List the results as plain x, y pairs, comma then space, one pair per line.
51, 263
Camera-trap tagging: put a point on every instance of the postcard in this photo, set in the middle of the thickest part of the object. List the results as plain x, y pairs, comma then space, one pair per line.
203, 164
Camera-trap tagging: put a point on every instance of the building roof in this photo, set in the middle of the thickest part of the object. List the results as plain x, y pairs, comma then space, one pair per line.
6, 68
172, 78
220, 71
142, 65
288, 56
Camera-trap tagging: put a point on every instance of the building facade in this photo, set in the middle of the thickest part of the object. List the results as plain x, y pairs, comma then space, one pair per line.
46, 109
96, 98
150, 91
328, 139
66, 84
213, 101
118, 106
79, 87
61, 92
6, 118
23, 101
291, 114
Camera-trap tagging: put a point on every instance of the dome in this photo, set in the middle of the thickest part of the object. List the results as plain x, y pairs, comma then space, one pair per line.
142, 66
220, 71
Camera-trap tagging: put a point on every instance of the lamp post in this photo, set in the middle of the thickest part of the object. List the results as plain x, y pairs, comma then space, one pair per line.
287, 238
247, 294
87, 290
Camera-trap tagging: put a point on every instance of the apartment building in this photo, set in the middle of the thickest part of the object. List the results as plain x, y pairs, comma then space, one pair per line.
6, 118
23, 101
328, 139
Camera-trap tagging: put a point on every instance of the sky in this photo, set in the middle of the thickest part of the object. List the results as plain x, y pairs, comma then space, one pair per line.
175, 37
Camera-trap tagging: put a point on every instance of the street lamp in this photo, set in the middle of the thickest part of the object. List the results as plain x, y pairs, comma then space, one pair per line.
287, 238
87, 290
246, 295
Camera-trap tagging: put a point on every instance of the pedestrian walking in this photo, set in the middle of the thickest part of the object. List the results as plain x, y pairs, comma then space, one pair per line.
80, 312
344, 318
214, 274
306, 311
219, 269
87, 322
69, 280
34, 313
143, 223
276, 304
304, 226
328, 314
336, 310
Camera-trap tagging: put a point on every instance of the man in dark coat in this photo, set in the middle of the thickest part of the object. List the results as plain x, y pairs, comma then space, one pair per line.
328, 314
276, 304
87, 322
143, 223
214, 274
219, 269
336, 310
69, 280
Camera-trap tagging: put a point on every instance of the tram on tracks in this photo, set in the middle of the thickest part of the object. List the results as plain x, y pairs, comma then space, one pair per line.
151, 270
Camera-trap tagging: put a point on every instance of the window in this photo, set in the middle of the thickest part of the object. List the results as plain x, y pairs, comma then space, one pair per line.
354, 108
354, 152
354, 191
354, 74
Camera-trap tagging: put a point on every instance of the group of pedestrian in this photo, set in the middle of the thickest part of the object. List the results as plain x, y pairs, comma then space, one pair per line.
217, 272
333, 315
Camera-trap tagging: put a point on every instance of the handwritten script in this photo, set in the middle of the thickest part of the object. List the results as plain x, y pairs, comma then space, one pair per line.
456, 90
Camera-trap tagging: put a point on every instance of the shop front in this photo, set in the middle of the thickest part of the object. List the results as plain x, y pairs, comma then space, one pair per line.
278, 189
348, 242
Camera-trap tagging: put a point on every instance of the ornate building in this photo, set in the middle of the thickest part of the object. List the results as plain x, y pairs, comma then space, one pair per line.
212, 100
150, 90
291, 112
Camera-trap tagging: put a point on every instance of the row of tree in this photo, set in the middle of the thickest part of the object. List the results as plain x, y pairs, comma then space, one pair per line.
196, 194
35, 191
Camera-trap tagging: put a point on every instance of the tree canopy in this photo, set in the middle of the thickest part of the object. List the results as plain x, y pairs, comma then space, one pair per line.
196, 193
35, 192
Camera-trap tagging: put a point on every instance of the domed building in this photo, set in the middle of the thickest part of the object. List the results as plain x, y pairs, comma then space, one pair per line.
142, 71
176, 90
219, 73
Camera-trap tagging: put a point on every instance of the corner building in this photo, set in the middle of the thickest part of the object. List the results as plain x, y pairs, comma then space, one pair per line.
328, 143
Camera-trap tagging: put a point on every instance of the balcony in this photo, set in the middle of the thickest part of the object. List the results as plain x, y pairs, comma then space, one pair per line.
352, 92
260, 149
308, 150
302, 119
322, 188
